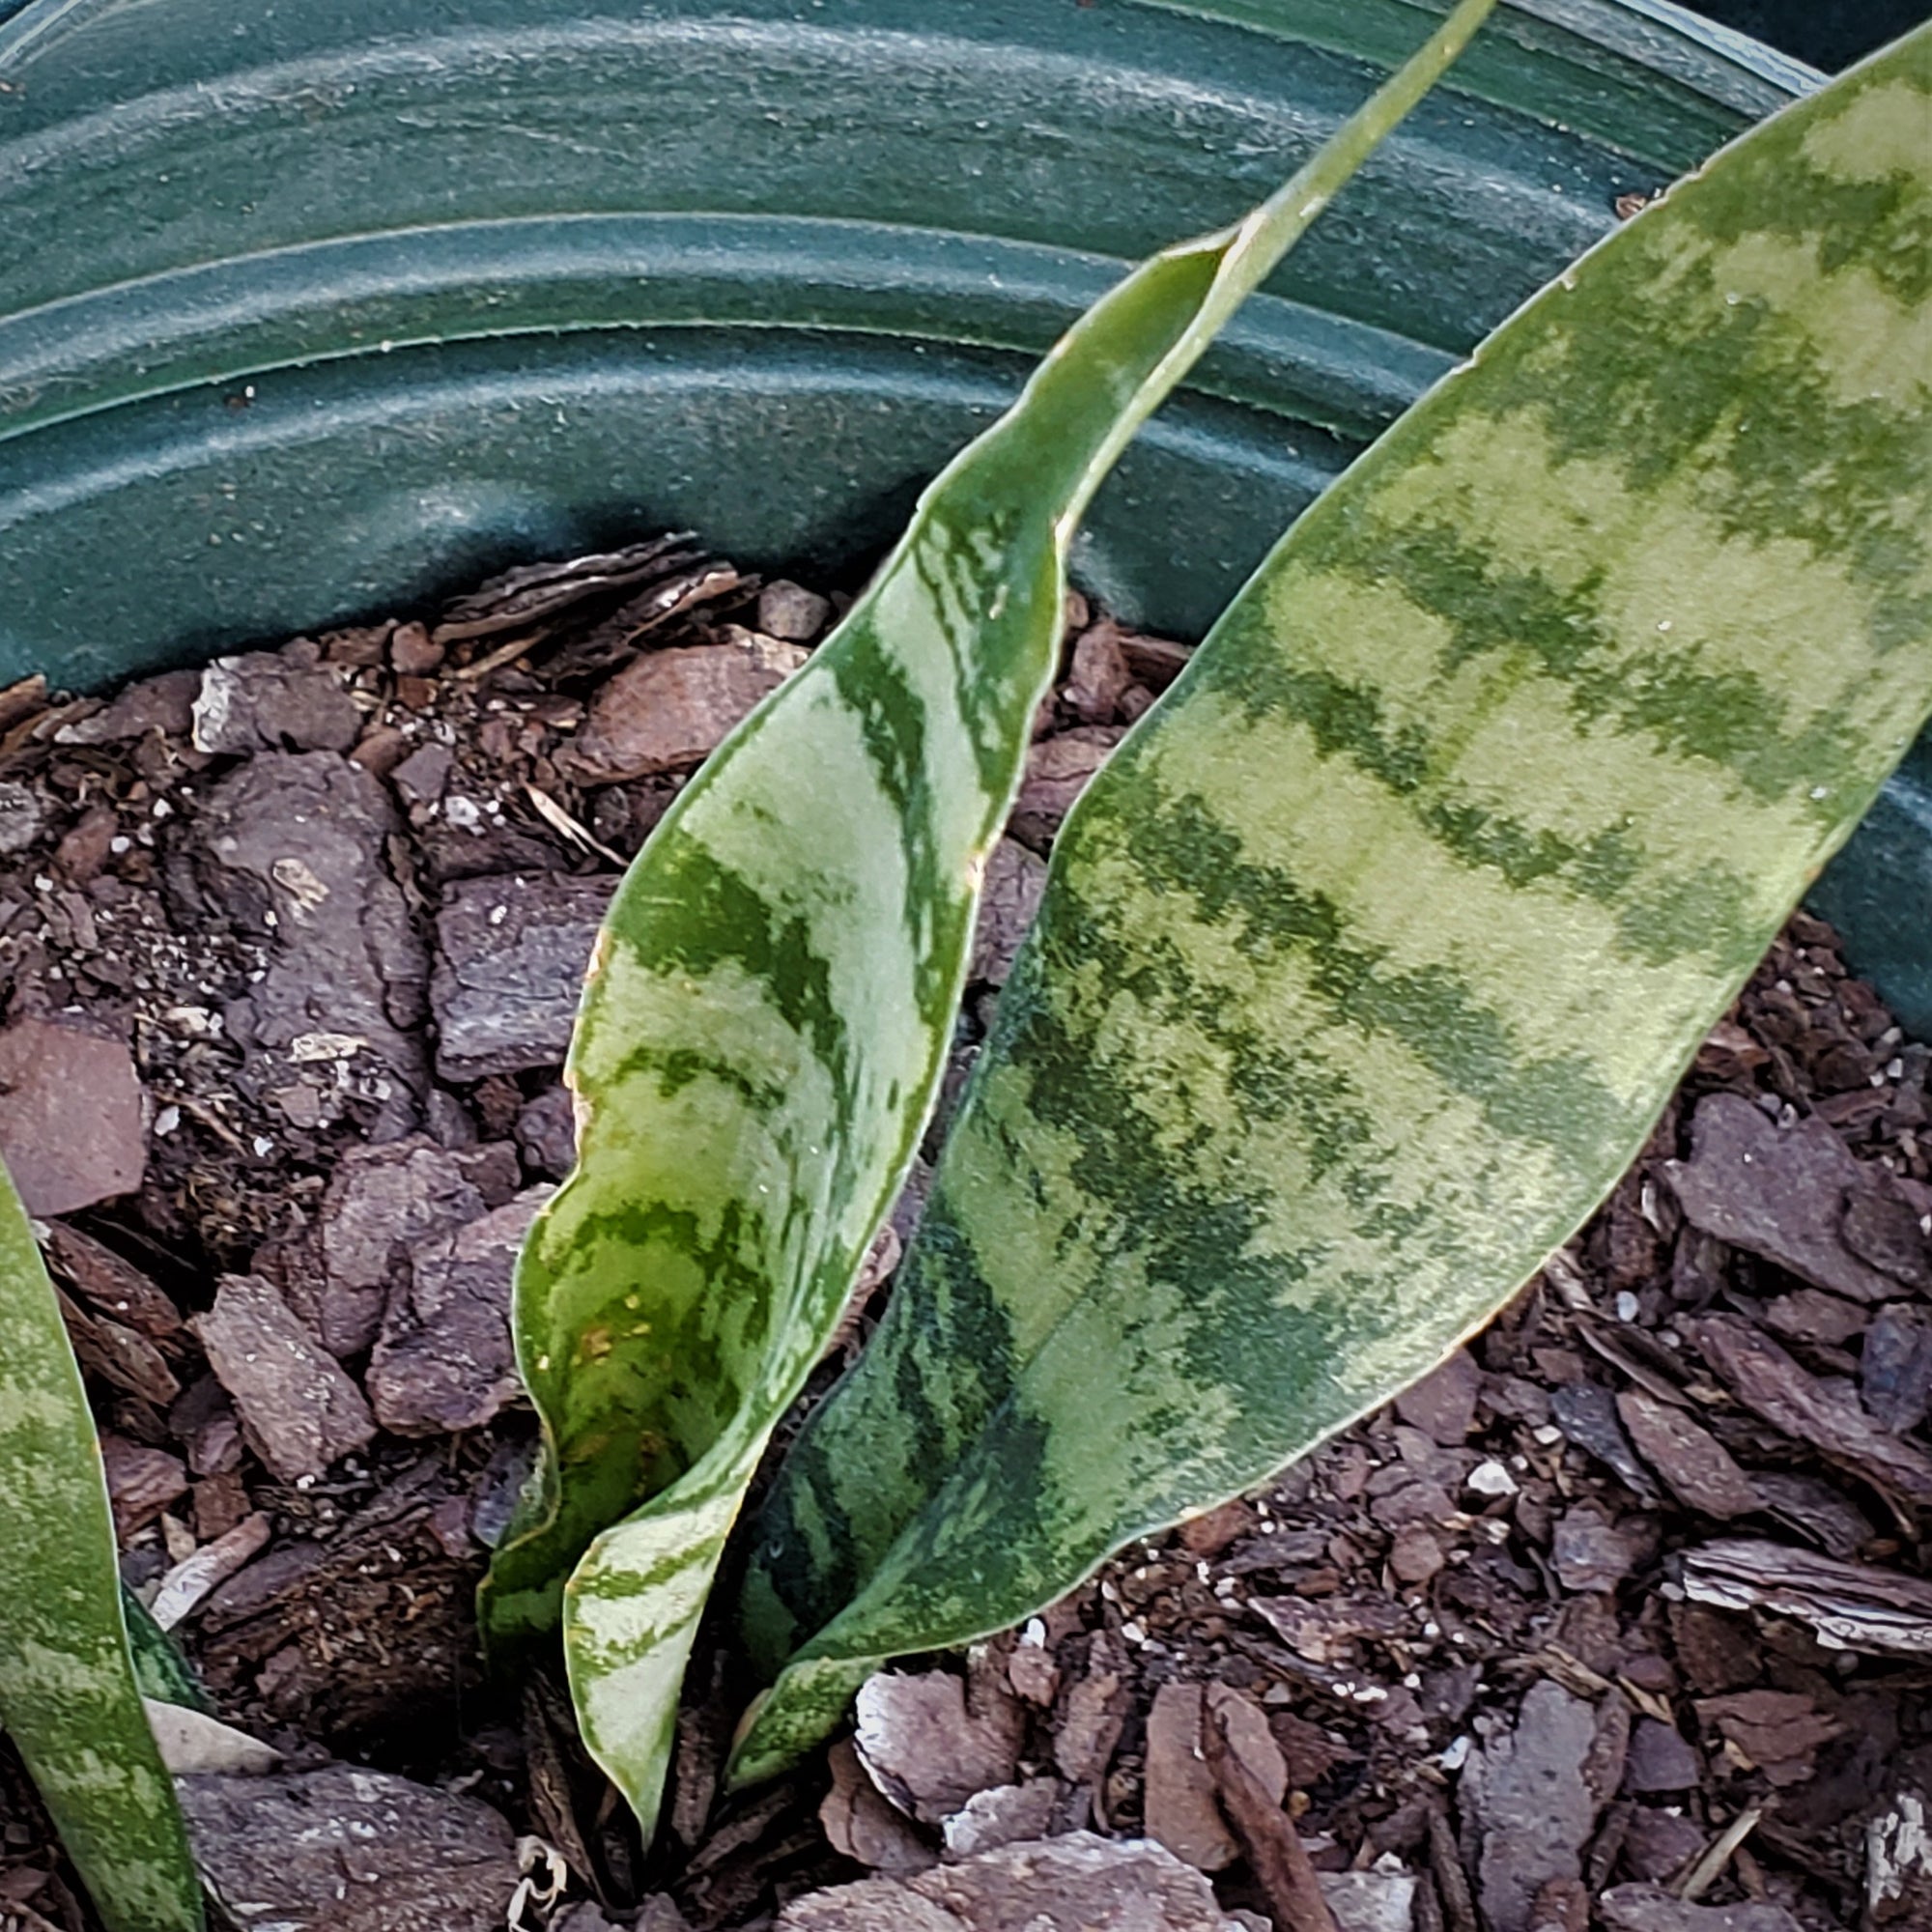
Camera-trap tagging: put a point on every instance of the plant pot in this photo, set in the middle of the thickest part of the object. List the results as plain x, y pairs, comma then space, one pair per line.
311, 311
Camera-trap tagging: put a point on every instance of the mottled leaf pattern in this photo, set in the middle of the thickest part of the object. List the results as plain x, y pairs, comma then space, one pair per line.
1367, 963
161, 1673
764, 1028
67, 1696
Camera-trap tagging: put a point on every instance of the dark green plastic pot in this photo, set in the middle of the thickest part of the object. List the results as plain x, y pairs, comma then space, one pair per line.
309, 310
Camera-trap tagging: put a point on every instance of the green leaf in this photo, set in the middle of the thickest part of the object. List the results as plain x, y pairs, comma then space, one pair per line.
764, 1028
1368, 961
161, 1673
68, 1695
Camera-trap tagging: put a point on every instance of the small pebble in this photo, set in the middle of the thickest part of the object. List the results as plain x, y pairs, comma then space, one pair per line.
791, 613
1490, 1479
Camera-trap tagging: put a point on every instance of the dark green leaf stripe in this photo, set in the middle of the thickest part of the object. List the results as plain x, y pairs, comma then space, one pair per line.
68, 1694
764, 1029
161, 1673
1369, 960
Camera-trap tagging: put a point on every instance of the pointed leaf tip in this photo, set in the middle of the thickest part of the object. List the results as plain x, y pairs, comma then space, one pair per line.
782, 965
1367, 962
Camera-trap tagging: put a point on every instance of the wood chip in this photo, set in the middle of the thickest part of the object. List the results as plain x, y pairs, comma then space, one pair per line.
860, 1824
1848, 1606
1828, 1417
561, 821
511, 954
1659, 1844
70, 1132
1899, 1859
118, 1355
1814, 1509
1891, 1234
923, 1748
26, 698
1588, 1552
1779, 1192
192, 1580
1324, 1629
444, 1361
519, 597
1099, 676
114, 1285
1009, 1814
1180, 1782
1156, 662
141, 1482
1274, 1851
1660, 1760
1531, 1802
1092, 1718
1695, 1465
1078, 1882
345, 1850
670, 709
1370, 1901
303, 836
23, 817
1649, 1908
384, 1204
1214, 1531
274, 701
1009, 898
297, 1409
1777, 1732
1452, 1879
617, 638
1810, 1315
1562, 1905
1442, 1404
1415, 1554
1896, 1369
551, 1751
1586, 1412
1058, 770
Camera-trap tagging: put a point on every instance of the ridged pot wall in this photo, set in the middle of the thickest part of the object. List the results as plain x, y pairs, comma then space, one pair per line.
309, 311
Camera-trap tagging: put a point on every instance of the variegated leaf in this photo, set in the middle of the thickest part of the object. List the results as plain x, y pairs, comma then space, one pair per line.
161, 1673
68, 1694
764, 1027
1367, 963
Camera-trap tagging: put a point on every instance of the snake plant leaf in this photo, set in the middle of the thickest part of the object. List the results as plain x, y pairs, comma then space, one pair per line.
67, 1691
764, 1025
1367, 963
161, 1673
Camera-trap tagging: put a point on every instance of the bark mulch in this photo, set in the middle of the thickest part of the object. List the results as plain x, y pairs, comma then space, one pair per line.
1621, 1619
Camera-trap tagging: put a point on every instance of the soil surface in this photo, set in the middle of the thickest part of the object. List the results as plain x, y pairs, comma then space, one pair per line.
1620, 1619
